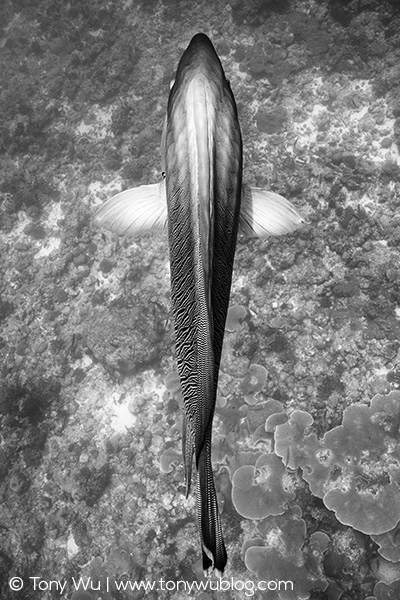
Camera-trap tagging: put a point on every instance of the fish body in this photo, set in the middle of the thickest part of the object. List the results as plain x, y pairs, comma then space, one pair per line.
203, 170
203, 202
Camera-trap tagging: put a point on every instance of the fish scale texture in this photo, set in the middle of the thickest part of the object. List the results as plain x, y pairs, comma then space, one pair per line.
203, 165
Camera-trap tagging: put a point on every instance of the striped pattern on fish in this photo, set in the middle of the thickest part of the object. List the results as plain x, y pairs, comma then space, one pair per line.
203, 165
203, 202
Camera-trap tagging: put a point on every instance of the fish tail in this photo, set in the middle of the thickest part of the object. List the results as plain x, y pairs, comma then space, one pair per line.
187, 451
212, 541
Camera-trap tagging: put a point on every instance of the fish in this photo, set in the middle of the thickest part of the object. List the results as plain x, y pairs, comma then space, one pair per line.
203, 203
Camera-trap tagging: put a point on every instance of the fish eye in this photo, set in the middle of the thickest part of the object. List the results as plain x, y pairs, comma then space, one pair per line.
171, 83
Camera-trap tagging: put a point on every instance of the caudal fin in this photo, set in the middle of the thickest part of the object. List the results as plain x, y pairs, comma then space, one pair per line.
187, 451
212, 541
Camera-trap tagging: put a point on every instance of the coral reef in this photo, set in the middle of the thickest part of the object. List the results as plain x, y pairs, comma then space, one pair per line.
91, 479
283, 559
355, 468
258, 491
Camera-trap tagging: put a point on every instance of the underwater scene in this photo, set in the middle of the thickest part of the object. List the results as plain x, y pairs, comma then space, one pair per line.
305, 448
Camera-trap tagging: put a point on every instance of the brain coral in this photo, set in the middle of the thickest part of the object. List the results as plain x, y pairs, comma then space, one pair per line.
236, 314
284, 558
275, 568
385, 571
253, 382
386, 592
258, 491
168, 459
355, 469
389, 544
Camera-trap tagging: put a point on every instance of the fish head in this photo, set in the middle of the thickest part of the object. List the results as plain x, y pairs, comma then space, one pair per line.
200, 72
199, 62
201, 124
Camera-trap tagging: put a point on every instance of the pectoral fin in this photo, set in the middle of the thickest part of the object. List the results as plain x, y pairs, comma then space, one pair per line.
264, 213
135, 211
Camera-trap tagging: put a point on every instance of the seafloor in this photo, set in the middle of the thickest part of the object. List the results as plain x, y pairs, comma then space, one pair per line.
91, 479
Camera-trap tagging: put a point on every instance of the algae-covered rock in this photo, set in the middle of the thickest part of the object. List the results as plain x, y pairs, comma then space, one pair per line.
124, 339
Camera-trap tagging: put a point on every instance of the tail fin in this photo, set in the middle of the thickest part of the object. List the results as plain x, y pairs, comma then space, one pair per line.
212, 541
187, 451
